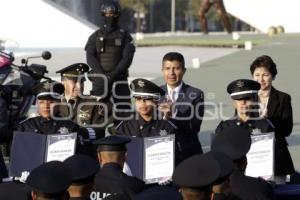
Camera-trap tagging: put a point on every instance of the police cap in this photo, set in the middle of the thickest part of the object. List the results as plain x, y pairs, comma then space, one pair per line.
243, 89
225, 162
146, 89
198, 171
234, 141
50, 178
112, 143
74, 70
82, 175
48, 90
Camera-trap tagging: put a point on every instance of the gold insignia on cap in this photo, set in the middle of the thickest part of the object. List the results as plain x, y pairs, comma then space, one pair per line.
47, 85
240, 83
84, 114
141, 83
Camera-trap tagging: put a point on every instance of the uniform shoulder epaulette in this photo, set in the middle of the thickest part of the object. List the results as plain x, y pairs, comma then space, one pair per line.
31, 116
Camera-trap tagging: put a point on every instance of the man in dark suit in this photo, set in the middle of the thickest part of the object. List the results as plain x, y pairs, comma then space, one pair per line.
235, 142
187, 104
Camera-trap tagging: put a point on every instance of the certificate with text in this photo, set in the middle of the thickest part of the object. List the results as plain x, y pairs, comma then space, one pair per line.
261, 156
159, 158
60, 146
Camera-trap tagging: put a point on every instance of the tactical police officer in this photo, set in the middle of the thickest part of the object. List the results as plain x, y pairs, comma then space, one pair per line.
111, 179
109, 53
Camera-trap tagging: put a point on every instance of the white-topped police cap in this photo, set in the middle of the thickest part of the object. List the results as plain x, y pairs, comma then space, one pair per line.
146, 89
74, 71
48, 90
243, 89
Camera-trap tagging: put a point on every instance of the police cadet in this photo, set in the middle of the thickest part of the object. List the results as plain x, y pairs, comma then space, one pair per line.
110, 179
50, 181
109, 52
86, 111
47, 93
147, 121
49, 122
195, 176
235, 142
82, 177
244, 95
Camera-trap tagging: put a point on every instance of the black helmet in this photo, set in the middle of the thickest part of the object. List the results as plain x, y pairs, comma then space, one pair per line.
111, 6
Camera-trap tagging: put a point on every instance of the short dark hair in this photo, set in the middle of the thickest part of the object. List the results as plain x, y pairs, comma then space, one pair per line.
264, 61
174, 56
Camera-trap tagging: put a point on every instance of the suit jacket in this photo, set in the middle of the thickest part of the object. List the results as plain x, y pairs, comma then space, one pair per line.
280, 113
188, 129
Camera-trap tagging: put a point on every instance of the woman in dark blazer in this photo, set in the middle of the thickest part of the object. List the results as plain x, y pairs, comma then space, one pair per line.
275, 106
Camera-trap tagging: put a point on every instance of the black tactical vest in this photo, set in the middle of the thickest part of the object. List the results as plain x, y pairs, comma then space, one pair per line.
109, 48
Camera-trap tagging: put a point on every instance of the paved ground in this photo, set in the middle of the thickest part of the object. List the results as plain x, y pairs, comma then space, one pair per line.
219, 66
213, 76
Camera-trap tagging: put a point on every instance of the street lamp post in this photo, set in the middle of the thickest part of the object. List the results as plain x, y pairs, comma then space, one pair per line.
172, 15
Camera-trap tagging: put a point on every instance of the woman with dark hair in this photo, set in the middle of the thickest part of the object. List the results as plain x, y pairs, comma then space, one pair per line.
276, 107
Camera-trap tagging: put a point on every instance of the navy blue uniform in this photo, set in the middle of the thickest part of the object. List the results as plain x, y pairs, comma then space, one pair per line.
111, 180
42, 125
14, 191
249, 188
141, 128
47, 126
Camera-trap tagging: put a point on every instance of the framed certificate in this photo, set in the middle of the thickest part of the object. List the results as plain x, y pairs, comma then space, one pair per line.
60, 147
30, 150
151, 158
158, 158
261, 156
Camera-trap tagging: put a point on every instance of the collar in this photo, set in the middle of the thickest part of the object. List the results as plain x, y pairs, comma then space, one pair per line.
45, 120
112, 165
142, 122
177, 89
